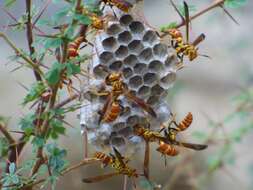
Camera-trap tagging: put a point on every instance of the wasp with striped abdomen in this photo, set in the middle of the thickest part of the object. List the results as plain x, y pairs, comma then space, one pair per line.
184, 48
117, 162
112, 107
166, 142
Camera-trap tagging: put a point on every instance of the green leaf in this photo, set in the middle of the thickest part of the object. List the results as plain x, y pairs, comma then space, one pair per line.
9, 3
38, 141
53, 75
36, 90
58, 16
169, 26
235, 3
72, 69
52, 42
56, 129
15, 179
83, 19
56, 158
12, 168
27, 125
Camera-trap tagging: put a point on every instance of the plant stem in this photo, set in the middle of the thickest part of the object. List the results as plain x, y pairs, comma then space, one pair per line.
66, 101
8, 136
80, 164
45, 125
29, 36
21, 54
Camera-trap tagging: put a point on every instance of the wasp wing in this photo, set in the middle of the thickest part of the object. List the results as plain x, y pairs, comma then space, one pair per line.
191, 145
99, 178
106, 107
140, 103
199, 39
119, 157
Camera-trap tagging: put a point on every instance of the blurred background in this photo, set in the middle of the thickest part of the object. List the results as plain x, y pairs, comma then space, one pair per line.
206, 87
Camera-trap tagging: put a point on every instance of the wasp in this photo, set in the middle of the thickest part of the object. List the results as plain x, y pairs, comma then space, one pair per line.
117, 162
120, 4
171, 132
73, 47
96, 21
166, 143
148, 136
185, 48
112, 108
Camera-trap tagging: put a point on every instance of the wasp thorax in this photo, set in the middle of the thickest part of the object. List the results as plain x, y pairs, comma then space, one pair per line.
113, 77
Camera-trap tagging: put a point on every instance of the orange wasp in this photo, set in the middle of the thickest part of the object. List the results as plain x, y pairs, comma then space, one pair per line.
171, 133
116, 161
148, 136
166, 144
184, 48
112, 108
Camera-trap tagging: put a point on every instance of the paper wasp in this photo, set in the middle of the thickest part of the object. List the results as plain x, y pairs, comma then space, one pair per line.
112, 108
148, 136
184, 48
116, 161
120, 4
166, 142
96, 21
171, 133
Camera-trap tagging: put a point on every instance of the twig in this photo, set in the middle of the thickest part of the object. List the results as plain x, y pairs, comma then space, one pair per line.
215, 4
66, 101
21, 54
41, 12
8, 136
29, 36
80, 164
45, 125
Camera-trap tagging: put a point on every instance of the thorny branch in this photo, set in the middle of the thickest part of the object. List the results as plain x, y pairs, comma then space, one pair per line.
45, 125
8, 136
215, 4
29, 34
21, 54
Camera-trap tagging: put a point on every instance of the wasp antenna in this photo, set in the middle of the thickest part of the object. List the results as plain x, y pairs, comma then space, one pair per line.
203, 55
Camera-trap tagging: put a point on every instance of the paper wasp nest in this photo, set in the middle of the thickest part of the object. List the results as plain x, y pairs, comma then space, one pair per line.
149, 70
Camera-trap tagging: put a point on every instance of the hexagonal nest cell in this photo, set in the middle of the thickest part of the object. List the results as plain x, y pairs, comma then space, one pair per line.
147, 65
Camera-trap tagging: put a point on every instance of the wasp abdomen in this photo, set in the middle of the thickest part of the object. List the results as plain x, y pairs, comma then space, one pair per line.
187, 121
74, 46
167, 149
112, 113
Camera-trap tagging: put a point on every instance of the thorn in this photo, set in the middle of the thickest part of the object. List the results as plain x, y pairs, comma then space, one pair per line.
22, 85
230, 16
41, 13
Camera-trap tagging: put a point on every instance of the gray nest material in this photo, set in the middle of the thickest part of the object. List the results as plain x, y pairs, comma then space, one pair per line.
149, 69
